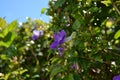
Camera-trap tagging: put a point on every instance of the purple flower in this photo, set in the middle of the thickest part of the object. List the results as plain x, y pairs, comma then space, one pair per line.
36, 34
59, 38
116, 77
74, 66
60, 50
67, 25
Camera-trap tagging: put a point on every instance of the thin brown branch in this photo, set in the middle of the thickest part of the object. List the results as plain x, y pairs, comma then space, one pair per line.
114, 53
115, 7
33, 53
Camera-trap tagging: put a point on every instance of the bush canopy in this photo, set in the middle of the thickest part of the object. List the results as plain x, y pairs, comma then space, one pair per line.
81, 42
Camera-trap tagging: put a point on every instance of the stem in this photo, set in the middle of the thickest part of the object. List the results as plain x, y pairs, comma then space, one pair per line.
37, 61
114, 53
33, 53
115, 7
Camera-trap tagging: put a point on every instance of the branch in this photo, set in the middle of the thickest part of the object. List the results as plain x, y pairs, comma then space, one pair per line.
115, 7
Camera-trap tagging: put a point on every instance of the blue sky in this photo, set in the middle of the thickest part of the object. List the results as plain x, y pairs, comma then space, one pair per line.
20, 9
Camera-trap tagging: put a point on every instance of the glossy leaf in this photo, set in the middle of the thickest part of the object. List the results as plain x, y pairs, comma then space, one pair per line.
7, 41
43, 10
11, 27
117, 34
2, 23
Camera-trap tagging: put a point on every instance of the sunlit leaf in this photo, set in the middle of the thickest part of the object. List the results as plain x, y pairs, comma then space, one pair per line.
1, 35
109, 24
3, 57
36, 76
43, 10
11, 27
9, 38
23, 71
7, 76
2, 23
106, 2
117, 34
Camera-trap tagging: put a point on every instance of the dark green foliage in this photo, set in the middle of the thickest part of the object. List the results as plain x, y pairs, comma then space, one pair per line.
91, 49
96, 44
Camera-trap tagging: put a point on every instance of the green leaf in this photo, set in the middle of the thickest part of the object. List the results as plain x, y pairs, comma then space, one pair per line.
7, 41
3, 57
1, 35
43, 10
73, 35
7, 76
36, 76
11, 27
19, 72
23, 71
117, 34
79, 22
69, 77
84, 63
106, 2
54, 59
2, 23
2, 26
59, 3
97, 57
76, 24
93, 9
3, 44
55, 71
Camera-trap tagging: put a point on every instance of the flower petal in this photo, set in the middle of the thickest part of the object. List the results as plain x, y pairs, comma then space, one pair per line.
59, 38
63, 33
116, 77
34, 37
74, 66
62, 37
36, 32
56, 37
67, 25
54, 45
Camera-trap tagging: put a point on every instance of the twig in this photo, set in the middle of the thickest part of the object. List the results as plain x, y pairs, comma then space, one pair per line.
114, 53
33, 53
115, 7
